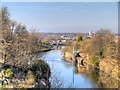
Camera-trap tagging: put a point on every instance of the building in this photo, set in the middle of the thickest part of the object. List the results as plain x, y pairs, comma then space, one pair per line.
117, 38
90, 33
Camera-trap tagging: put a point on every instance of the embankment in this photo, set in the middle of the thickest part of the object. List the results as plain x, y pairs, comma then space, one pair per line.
105, 67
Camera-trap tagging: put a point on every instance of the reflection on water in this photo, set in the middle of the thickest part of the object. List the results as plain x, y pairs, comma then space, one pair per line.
82, 78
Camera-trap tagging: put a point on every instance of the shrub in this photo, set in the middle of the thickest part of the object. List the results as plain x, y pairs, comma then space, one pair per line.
40, 69
30, 79
64, 57
79, 38
95, 61
7, 73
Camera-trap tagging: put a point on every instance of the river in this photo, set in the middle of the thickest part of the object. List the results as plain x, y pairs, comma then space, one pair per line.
64, 72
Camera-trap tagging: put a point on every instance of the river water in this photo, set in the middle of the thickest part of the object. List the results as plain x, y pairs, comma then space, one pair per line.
64, 71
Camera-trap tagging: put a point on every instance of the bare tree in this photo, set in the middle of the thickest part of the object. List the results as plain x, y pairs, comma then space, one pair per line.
100, 41
57, 81
4, 31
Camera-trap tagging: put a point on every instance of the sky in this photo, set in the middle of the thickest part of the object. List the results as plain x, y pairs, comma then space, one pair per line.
59, 0
65, 16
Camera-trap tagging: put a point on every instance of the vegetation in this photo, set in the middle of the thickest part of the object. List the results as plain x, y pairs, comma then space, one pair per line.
7, 73
30, 78
17, 41
101, 45
79, 38
100, 42
101, 54
17, 47
95, 61
40, 69
101, 49
36, 71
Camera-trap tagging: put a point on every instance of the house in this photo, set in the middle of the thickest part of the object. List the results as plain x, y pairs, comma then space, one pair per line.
117, 38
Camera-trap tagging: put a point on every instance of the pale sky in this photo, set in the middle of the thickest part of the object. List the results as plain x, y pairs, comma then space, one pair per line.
66, 16
59, 0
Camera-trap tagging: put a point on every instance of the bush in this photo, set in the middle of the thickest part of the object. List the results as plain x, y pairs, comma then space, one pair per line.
64, 57
7, 73
95, 61
40, 69
30, 79
79, 38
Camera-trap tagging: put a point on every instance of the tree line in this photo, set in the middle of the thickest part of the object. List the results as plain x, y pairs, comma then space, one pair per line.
101, 45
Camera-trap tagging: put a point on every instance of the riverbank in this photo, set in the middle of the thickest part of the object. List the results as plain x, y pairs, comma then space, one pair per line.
27, 76
104, 68
13, 76
62, 72
34, 76
41, 51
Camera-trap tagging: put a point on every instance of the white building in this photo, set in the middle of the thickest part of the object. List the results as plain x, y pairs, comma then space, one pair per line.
90, 33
